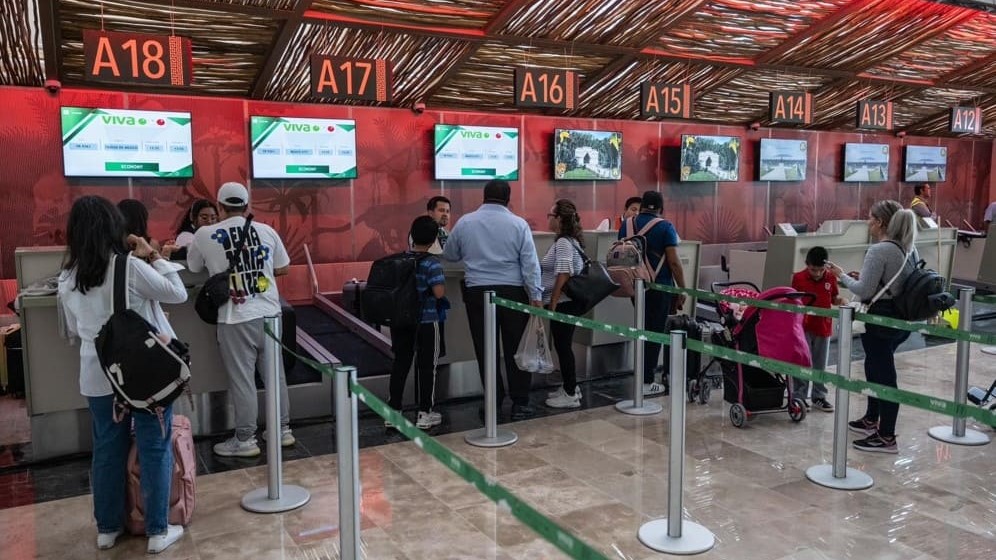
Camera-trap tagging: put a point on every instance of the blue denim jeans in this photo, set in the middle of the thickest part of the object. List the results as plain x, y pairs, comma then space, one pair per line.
109, 476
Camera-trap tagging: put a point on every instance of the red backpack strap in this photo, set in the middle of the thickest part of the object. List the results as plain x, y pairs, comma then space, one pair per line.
630, 224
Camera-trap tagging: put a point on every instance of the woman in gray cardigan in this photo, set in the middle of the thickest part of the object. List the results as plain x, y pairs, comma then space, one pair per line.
888, 260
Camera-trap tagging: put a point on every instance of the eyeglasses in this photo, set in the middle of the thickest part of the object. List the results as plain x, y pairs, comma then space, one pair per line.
551, 215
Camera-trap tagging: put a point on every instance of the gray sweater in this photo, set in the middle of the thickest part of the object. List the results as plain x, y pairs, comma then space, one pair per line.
881, 263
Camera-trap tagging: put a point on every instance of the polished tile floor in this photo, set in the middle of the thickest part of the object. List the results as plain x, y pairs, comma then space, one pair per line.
601, 474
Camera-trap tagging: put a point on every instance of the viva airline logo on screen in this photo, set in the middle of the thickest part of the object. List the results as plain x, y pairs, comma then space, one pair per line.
123, 143
476, 152
297, 148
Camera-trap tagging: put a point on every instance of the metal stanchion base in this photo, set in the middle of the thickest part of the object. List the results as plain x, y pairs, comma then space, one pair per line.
291, 497
478, 438
648, 408
946, 434
991, 350
694, 539
853, 478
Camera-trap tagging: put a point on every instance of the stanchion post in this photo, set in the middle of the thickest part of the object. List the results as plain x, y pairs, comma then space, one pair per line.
276, 497
347, 444
838, 475
490, 436
957, 433
636, 406
674, 535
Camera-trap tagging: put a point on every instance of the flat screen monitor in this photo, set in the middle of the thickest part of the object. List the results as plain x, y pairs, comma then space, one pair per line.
710, 158
866, 163
122, 143
295, 148
782, 160
476, 152
587, 155
926, 163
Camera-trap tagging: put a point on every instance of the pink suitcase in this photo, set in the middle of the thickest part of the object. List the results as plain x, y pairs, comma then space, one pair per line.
181, 499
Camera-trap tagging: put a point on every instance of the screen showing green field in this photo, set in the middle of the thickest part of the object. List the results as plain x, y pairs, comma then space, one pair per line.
476, 152
121, 143
782, 160
710, 158
926, 163
866, 163
292, 148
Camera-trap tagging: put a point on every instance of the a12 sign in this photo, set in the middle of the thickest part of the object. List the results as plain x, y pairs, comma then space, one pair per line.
966, 120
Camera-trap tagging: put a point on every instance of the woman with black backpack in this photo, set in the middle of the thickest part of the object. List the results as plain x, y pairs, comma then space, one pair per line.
883, 274
95, 234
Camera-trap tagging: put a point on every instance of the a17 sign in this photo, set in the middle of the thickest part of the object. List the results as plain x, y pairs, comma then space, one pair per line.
341, 77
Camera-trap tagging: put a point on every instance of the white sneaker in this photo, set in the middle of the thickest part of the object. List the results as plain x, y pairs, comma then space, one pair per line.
287, 438
652, 389
232, 447
561, 392
159, 543
107, 540
427, 420
563, 400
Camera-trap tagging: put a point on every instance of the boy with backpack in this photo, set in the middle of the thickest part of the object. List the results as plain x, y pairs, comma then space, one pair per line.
422, 341
815, 280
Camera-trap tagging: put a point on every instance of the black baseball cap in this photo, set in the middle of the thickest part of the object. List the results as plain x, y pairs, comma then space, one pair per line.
652, 200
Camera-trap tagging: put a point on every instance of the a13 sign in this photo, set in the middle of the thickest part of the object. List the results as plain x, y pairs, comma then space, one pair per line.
874, 115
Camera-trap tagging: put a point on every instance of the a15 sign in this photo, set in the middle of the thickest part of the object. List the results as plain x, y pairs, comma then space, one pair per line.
665, 100
874, 115
543, 87
163, 60
966, 120
795, 107
341, 77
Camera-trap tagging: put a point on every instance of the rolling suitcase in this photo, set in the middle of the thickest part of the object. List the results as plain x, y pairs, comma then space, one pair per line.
182, 487
352, 293
13, 351
697, 386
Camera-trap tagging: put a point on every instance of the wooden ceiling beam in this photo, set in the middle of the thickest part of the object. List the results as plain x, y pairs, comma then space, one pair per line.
51, 32
288, 29
968, 68
504, 15
814, 30
241, 9
650, 36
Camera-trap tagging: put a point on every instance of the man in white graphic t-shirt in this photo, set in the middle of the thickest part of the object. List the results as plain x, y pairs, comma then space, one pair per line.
241, 338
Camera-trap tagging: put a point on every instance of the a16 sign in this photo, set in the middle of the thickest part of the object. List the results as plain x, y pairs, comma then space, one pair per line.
136, 58
795, 107
966, 120
665, 100
341, 77
874, 115
543, 87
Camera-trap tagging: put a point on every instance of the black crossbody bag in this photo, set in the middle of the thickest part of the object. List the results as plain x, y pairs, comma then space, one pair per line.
591, 285
217, 290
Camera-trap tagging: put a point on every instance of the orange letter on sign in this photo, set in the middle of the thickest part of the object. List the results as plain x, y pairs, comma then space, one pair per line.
780, 108
528, 88
327, 77
653, 105
104, 51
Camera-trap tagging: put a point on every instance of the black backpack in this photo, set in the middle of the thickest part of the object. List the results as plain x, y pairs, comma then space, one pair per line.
922, 295
217, 290
391, 296
145, 373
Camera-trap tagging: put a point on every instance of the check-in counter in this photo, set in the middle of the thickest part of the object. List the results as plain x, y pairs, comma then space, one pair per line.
847, 242
60, 423
987, 265
597, 353
969, 252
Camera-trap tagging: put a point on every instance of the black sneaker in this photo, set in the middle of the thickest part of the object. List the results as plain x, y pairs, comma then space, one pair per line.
822, 404
876, 444
863, 427
522, 412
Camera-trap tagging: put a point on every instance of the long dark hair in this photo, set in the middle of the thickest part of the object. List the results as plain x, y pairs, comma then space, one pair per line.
95, 232
570, 221
188, 221
136, 217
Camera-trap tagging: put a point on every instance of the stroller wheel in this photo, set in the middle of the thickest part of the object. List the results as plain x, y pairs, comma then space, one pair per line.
704, 393
738, 415
797, 410
693, 390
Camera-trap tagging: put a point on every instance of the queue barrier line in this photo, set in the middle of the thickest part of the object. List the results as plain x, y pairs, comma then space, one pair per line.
890, 322
556, 535
987, 300
891, 394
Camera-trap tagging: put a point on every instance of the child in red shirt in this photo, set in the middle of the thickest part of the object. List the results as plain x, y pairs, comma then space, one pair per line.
815, 280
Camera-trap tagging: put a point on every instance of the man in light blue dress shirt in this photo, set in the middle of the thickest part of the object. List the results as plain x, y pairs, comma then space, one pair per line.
498, 254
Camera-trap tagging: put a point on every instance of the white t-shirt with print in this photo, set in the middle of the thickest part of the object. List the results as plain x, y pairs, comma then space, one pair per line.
253, 280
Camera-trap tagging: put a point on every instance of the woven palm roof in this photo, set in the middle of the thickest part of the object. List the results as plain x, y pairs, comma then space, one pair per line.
923, 55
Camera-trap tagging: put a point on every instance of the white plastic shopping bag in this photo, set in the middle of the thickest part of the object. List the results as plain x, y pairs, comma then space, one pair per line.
534, 349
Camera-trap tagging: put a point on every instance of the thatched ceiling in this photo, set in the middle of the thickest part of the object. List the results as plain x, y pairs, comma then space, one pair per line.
923, 55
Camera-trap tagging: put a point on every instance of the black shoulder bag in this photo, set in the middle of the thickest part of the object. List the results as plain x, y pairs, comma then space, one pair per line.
217, 290
591, 285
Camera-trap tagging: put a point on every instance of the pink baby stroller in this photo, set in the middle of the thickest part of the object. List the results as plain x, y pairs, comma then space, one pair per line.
771, 334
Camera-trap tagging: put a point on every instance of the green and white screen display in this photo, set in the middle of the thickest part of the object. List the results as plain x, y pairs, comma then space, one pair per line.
291, 148
121, 143
476, 152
